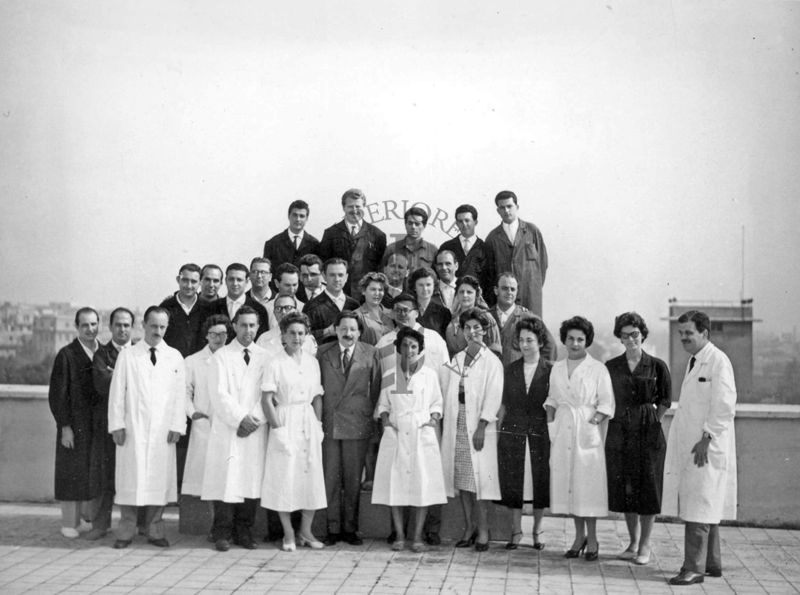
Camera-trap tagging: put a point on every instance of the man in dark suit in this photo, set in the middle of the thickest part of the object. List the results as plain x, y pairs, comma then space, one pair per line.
311, 283
359, 243
71, 402
468, 248
103, 447
351, 381
236, 276
186, 313
294, 242
323, 309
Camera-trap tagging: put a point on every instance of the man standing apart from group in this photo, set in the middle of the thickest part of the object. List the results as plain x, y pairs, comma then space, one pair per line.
294, 242
146, 416
517, 246
71, 402
359, 243
700, 466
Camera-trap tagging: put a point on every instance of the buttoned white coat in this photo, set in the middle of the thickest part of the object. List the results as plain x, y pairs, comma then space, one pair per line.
234, 466
198, 398
707, 403
147, 401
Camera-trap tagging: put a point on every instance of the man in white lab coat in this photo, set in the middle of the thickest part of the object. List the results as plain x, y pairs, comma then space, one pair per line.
237, 445
146, 417
700, 467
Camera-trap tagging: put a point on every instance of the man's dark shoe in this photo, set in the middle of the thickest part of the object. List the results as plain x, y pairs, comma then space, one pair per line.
352, 538
222, 545
433, 539
686, 577
121, 544
392, 537
158, 541
95, 534
714, 572
332, 539
246, 542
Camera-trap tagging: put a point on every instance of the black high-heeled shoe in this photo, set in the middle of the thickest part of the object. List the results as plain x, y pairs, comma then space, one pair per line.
468, 542
537, 545
512, 545
482, 547
576, 553
592, 556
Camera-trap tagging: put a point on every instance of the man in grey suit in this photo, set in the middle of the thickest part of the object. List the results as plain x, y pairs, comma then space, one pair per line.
351, 382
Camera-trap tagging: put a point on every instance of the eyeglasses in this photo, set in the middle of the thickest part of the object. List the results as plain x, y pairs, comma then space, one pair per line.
260, 273
288, 308
401, 310
631, 335
218, 335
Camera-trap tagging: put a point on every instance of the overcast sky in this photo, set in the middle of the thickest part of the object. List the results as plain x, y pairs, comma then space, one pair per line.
640, 138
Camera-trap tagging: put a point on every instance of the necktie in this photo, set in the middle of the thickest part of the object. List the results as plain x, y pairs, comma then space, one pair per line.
466, 245
691, 363
153, 355
246, 357
345, 359
353, 231
296, 242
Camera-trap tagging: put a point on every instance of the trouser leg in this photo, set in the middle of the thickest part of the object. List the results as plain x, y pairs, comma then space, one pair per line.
222, 526
714, 555
244, 516
103, 506
695, 543
127, 523
154, 522
353, 455
332, 467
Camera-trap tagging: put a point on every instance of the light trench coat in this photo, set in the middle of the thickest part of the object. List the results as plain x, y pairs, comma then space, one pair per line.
578, 483
148, 402
197, 399
234, 465
707, 403
408, 471
483, 395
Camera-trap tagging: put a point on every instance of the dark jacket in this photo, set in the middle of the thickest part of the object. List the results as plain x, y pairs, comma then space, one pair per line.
280, 248
185, 331
322, 312
473, 263
221, 307
362, 253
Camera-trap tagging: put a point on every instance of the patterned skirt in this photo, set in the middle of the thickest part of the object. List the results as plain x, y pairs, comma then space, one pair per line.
464, 474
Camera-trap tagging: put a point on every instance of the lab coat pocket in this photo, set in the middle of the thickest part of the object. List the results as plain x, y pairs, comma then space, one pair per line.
589, 436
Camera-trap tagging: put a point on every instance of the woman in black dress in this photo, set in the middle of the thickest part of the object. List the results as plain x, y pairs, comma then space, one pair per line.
523, 447
635, 445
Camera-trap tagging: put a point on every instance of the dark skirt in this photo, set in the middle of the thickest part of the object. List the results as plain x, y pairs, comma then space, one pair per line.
511, 464
635, 451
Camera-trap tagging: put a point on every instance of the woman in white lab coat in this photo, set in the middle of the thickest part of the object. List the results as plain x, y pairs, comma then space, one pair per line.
472, 384
409, 467
580, 403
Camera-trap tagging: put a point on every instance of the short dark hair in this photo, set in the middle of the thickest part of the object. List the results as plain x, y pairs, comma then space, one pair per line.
467, 209
420, 273
309, 260
260, 260
345, 314
503, 195
474, 314
535, 326
210, 266
191, 267
216, 319
406, 297
154, 310
577, 323
294, 318
85, 310
445, 251
701, 320
416, 212
411, 333
120, 310
286, 267
298, 205
630, 319
333, 261
353, 193
245, 310
237, 266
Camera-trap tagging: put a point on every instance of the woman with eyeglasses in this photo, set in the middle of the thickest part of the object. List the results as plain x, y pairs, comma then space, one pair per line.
635, 445
472, 384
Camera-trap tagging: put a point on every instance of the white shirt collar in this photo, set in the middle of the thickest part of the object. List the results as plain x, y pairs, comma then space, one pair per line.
240, 300
301, 234
511, 229
339, 301
89, 352
186, 308
469, 241
119, 347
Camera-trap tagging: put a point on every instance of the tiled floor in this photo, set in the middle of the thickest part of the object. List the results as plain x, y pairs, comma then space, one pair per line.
34, 558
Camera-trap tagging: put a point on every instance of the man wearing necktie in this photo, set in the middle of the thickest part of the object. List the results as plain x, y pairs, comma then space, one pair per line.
469, 249
294, 242
700, 466
237, 442
146, 416
351, 383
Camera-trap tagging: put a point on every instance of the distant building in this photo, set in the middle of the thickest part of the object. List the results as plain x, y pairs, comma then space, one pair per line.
731, 331
51, 332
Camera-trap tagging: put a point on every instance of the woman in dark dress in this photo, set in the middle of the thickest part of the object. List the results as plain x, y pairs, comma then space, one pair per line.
635, 445
523, 447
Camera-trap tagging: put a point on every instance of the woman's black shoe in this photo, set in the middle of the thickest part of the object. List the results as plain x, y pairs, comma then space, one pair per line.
512, 545
467, 542
576, 553
592, 556
482, 547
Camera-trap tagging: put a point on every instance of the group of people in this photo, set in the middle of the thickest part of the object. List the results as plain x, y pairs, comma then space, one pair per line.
418, 372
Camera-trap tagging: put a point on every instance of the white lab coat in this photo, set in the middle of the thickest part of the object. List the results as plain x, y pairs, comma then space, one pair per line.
578, 483
234, 465
707, 403
147, 401
197, 399
483, 395
408, 471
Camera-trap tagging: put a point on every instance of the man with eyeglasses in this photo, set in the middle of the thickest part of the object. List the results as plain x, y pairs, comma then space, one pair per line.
272, 341
260, 280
